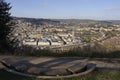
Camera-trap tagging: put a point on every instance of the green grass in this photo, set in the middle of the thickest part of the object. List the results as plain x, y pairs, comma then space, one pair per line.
96, 75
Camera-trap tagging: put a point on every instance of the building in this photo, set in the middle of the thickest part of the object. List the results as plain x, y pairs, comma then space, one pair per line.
30, 42
43, 42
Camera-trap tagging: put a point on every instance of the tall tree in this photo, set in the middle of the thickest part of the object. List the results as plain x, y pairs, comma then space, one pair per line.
5, 24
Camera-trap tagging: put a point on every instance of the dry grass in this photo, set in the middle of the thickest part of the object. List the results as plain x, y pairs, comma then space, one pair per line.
96, 75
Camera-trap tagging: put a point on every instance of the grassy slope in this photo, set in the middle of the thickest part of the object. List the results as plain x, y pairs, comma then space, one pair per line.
96, 75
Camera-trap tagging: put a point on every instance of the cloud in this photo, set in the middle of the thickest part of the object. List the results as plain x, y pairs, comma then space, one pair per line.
113, 9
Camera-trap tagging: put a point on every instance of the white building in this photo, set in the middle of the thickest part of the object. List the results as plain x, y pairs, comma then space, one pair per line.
43, 42
29, 42
56, 43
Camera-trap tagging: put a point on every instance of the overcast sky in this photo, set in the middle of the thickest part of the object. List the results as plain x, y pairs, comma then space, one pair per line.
67, 9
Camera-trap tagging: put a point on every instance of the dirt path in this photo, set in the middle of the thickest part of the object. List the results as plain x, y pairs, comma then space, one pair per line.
63, 62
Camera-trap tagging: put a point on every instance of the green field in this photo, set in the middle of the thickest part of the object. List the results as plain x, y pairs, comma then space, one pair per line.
96, 75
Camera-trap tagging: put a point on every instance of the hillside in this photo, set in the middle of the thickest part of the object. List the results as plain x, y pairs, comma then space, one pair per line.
40, 21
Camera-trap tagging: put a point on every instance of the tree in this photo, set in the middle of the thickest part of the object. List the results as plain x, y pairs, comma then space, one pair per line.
5, 23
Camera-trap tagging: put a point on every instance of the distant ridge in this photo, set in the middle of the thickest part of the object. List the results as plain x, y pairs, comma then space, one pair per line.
68, 21
37, 20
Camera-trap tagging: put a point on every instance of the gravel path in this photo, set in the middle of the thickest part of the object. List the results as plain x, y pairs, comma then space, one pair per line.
62, 62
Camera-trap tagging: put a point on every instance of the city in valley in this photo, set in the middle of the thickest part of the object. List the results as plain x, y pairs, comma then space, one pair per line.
64, 33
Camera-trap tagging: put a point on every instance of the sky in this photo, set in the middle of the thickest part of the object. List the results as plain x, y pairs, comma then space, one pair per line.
67, 9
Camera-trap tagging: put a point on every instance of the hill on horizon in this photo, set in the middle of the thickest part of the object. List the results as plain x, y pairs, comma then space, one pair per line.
68, 21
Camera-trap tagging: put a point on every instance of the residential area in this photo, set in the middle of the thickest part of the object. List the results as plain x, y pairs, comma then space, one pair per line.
55, 34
